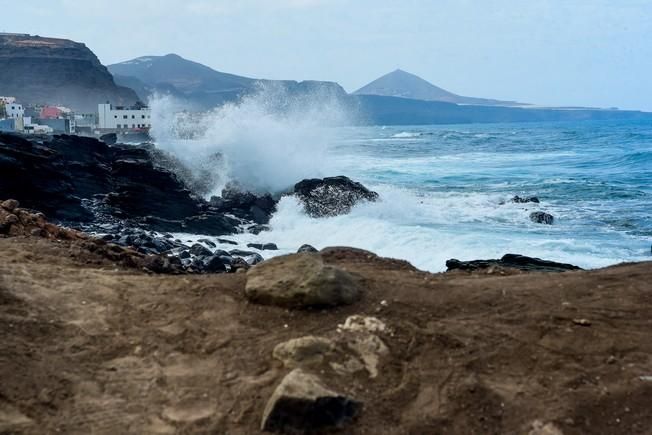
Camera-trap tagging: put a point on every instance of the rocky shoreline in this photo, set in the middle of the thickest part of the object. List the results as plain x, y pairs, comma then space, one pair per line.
113, 325
134, 196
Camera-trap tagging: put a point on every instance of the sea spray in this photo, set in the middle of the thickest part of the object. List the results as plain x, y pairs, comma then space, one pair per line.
265, 142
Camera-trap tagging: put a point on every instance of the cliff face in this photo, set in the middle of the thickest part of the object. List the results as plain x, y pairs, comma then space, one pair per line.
39, 70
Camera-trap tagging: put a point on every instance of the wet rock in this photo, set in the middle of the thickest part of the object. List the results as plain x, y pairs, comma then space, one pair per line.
238, 264
250, 257
227, 242
331, 196
263, 246
309, 350
300, 281
307, 248
302, 403
217, 264
109, 138
523, 200
200, 250
244, 204
540, 217
257, 229
514, 261
207, 242
78, 180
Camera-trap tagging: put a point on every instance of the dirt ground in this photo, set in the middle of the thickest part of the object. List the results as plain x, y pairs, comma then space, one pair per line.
88, 347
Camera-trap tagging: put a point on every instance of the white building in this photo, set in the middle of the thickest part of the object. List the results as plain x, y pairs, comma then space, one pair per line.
14, 110
123, 118
7, 100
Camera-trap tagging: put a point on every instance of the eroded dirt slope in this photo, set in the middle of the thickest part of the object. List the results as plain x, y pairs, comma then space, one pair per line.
90, 347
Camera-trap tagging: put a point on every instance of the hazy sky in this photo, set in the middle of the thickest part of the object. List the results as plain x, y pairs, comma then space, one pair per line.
554, 52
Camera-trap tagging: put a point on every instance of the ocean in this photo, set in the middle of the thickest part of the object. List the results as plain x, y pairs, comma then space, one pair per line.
445, 192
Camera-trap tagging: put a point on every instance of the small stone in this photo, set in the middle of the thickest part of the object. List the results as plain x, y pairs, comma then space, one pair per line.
309, 350
302, 403
582, 322
358, 323
539, 428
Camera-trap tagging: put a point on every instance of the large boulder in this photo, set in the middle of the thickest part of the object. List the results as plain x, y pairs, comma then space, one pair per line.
511, 261
331, 196
300, 281
541, 217
301, 403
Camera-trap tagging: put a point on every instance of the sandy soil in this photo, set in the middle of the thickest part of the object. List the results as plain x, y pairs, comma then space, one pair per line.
90, 347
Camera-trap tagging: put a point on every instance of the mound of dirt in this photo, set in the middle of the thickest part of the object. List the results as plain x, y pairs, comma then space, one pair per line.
91, 346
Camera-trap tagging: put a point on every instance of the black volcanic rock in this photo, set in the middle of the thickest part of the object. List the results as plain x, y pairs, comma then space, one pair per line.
541, 217
513, 261
331, 196
39, 70
523, 200
82, 180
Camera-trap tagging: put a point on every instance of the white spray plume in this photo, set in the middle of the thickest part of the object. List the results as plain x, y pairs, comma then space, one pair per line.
268, 141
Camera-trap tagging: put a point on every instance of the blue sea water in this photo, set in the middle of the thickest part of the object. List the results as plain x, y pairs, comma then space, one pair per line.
445, 193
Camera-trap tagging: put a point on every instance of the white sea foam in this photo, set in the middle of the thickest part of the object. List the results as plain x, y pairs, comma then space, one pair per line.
268, 141
406, 135
429, 229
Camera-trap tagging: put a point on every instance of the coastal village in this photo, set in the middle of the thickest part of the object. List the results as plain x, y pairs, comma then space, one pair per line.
57, 119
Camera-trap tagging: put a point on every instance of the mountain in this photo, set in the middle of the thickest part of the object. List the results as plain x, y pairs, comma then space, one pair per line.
402, 84
397, 98
38, 70
198, 84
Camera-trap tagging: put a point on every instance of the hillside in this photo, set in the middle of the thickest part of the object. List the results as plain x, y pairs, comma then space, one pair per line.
402, 84
38, 70
199, 85
89, 346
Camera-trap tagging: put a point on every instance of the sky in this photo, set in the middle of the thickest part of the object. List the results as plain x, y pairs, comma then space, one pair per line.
550, 52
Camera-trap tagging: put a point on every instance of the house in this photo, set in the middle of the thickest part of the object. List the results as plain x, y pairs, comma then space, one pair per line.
50, 112
123, 119
14, 110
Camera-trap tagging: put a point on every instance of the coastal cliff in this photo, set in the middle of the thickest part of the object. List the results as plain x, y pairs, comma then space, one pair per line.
38, 70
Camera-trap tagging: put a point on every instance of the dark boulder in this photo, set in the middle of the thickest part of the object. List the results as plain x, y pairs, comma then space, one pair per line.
307, 248
250, 257
512, 261
109, 138
244, 204
207, 242
331, 196
522, 200
200, 250
540, 217
217, 264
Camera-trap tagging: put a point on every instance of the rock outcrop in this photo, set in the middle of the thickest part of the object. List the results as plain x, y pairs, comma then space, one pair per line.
300, 281
331, 196
511, 261
82, 180
40, 70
